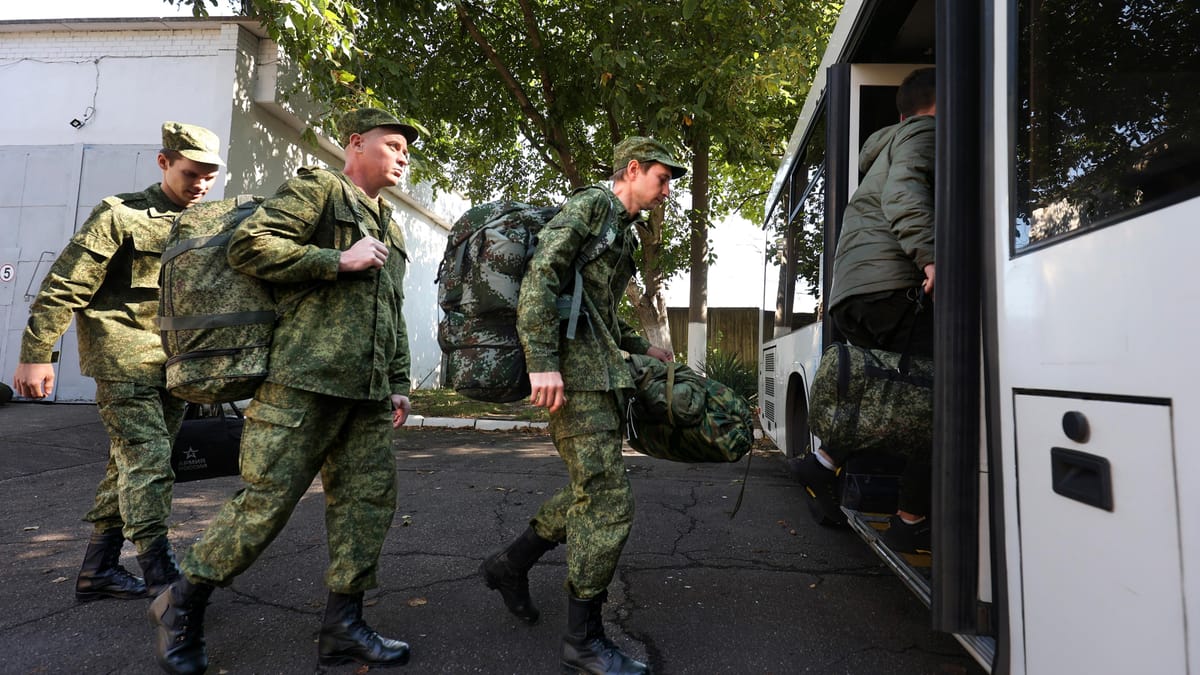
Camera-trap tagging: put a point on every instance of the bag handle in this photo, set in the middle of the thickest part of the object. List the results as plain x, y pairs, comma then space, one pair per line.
193, 410
905, 355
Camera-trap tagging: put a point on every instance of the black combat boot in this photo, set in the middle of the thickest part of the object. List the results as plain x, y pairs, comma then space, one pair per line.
101, 575
158, 566
585, 647
346, 638
507, 571
178, 618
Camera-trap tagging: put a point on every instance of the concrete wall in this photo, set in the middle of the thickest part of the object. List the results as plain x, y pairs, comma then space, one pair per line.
121, 79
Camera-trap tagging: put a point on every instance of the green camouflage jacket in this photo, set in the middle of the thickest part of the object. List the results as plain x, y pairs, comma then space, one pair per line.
107, 277
338, 334
887, 230
592, 361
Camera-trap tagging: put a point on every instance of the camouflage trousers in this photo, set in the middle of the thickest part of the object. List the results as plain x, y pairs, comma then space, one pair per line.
135, 494
594, 512
290, 436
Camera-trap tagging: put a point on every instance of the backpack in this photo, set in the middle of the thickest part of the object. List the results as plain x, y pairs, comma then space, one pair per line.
479, 284
216, 323
677, 414
871, 400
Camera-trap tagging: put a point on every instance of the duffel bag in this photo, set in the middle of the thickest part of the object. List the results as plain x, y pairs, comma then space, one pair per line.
679, 415
208, 444
871, 399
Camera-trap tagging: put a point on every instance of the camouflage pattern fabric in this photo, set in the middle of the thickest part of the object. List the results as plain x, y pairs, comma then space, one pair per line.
866, 399
216, 322
594, 512
479, 284
289, 436
593, 360
345, 338
135, 493
678, 415
107, 278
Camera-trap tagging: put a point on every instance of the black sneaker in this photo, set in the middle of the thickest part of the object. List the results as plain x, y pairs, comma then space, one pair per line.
903, 537
821, 485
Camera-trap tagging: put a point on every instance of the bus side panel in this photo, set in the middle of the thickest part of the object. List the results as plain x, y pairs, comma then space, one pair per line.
1100, 536
791, 358
1100, 317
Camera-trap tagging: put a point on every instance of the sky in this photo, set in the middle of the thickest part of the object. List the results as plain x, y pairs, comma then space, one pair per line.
735, 280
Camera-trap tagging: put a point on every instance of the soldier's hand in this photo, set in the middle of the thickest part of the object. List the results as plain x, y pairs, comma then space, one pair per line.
34, 380
401, 406
660, 354
366, 253
547, 390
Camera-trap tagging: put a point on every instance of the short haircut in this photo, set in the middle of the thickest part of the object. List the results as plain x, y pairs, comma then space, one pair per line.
918, 91
171, 155
619, 174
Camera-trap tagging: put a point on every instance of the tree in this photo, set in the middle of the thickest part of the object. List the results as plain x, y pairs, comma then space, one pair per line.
728, 75
526, 99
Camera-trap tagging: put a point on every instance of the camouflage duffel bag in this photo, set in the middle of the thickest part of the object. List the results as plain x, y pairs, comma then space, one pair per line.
677, 414
871, 399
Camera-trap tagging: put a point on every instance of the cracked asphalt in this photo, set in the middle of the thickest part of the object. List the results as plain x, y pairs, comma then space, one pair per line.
697, 592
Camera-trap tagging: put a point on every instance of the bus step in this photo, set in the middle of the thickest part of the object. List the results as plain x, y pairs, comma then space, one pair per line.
913, 569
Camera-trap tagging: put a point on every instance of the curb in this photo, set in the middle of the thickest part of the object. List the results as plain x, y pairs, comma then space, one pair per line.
469, 423
486, 425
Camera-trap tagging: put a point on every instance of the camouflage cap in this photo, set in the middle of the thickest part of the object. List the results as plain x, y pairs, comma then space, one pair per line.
362, 120
195, 143
646, 149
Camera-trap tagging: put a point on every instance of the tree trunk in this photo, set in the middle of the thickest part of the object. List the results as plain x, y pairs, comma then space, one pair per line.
698, 295
652, 312
648, 300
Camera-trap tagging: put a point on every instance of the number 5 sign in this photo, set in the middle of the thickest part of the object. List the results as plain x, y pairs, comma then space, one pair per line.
7, 273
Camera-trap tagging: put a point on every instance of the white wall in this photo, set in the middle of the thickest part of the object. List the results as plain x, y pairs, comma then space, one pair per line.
123, 78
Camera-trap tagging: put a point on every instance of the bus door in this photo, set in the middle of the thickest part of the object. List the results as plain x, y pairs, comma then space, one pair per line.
1096, 317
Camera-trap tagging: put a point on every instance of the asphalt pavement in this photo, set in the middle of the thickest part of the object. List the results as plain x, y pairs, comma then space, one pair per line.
766, 591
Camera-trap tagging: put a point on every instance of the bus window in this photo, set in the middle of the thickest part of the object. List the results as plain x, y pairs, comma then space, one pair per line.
1108, 113
795, 241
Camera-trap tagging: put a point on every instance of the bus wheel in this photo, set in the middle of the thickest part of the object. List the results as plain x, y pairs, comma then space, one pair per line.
799, 445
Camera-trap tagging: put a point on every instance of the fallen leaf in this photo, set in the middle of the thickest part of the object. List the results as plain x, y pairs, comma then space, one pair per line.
31, 528
417, 602
58, 580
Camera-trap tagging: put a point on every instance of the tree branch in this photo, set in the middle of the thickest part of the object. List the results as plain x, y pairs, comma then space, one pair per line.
510, 82
551, 131
539, 54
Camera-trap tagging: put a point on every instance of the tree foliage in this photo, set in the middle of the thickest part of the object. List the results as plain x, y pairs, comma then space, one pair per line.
525, 99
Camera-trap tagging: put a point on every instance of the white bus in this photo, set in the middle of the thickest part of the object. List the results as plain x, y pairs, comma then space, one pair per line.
1066, 479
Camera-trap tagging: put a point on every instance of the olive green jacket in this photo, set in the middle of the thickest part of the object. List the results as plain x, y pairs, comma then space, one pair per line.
338, 334
107, 278
887, 231
592, 361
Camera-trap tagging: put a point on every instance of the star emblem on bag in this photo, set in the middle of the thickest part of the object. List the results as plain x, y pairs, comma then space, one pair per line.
190, 453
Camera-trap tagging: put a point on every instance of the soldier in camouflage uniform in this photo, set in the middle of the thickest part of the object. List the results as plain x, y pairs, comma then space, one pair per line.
337, 385
107, 278
582, 382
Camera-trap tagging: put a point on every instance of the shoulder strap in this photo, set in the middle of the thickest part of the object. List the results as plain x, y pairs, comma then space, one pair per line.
591, 250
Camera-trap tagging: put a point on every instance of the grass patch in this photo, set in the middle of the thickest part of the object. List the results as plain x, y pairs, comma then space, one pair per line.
449, 403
